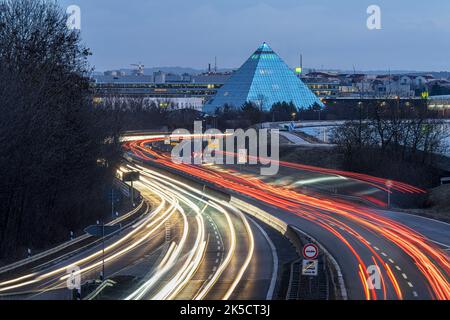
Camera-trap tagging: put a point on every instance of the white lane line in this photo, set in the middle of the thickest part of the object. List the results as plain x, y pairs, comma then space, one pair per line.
218, 242
404, 276
376, 248
384, 254
218, 254
214, 269
273, 281
398, 268
415, 294
218, 248
410, 284
391, 261
217, 260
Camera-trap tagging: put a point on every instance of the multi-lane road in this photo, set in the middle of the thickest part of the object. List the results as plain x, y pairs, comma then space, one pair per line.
186, 245
408, 252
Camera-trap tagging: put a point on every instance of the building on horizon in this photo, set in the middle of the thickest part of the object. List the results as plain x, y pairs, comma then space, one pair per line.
163, 89
264, 79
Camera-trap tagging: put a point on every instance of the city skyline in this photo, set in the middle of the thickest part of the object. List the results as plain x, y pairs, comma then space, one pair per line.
328, 34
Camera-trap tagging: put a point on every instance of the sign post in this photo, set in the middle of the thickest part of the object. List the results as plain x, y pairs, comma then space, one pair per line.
310, 262
130, 177
310, 251
389, 186
310, 268
102, 231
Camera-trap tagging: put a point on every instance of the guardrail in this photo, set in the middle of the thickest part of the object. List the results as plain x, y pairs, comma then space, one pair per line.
279, 225
292, 234
64, 245
331, 260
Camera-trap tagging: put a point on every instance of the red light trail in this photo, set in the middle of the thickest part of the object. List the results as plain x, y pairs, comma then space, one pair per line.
432, 262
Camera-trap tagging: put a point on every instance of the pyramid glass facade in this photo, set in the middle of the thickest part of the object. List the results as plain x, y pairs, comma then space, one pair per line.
264, 79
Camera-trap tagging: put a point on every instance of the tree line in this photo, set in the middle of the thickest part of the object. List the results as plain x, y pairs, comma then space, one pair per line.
394, 140
57, 153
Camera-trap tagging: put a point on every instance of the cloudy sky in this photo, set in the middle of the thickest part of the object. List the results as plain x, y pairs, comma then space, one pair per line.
415, 34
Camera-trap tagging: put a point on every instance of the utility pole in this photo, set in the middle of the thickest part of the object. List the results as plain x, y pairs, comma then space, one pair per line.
132, 194
103, 252
112, 203
389, 186
301, 63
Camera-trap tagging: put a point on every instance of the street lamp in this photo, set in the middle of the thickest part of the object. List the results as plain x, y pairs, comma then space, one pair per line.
389, 186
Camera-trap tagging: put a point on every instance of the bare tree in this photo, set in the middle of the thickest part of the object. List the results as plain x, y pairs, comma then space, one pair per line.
50, 134
392, 134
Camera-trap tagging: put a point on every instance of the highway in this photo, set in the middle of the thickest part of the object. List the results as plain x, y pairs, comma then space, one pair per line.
411, 265
189, 245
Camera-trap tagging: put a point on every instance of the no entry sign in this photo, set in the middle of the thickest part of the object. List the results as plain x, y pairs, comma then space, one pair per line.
310, 251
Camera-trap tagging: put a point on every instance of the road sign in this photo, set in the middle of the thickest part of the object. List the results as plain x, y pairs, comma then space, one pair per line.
130, 176
310, 267
310, 251
100, 231
389, 183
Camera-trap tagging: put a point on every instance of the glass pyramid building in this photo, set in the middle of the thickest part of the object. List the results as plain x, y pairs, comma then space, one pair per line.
264, 79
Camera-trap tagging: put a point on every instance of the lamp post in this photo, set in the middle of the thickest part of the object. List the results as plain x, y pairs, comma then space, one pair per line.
389, 186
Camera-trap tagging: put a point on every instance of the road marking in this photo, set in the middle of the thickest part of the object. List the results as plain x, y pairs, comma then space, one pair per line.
398, 268
275, 260
391, 261
218, 248
404, 276
376, 248
410, 284
218, 242
384, 254
217, 260
415, 294
218, 254
214, 269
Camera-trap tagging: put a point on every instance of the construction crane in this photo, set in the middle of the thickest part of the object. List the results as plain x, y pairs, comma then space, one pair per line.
140, 69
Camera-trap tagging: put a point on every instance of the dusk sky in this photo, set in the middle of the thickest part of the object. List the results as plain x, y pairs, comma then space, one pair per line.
332, 34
